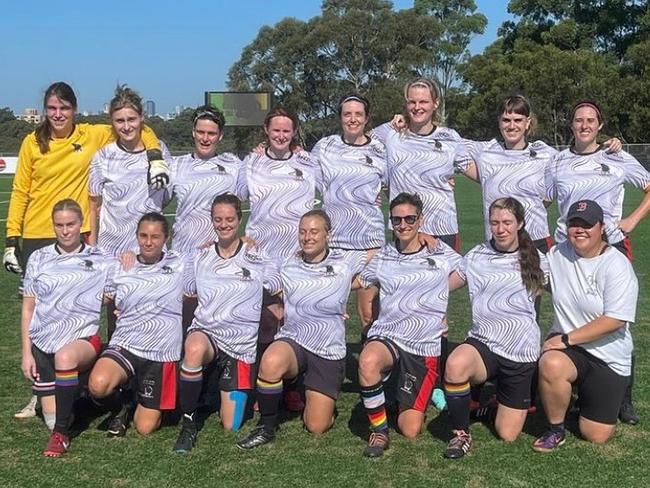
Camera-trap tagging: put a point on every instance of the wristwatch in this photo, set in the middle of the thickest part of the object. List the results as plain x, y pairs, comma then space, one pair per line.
565, 340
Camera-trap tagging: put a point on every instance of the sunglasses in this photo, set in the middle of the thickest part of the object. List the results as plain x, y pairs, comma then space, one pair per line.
409, 219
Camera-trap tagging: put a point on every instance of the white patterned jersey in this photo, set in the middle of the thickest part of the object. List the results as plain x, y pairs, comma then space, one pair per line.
149, 298
352, 179
597, 176
426, 165
195, 183
68, 289
516, 173
120, 178
503, 311
414, 292
315, 300
230, 298
280, 191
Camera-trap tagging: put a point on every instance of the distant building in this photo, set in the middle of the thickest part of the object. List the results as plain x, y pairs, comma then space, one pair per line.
106, 106
30, 115
179, 109
150, 108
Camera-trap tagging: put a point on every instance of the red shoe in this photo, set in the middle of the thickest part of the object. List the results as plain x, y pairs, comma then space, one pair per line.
293, 401
57, 446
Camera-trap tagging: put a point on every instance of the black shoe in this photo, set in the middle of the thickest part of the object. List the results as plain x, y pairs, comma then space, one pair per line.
187, 437
119, 423
259, 436
627, 414
377, 444
459, 445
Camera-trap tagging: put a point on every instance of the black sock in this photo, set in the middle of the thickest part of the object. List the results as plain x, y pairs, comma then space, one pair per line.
189, 392
65, 393
458, 405
557, 427
269, 396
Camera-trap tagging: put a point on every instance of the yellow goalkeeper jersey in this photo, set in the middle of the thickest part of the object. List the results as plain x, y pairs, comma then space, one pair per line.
42, 180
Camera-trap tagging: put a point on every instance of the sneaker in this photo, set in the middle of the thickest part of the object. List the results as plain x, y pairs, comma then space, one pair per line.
28, 410
377, 444
293, 401
187, 437
459, 445
119, 424
57, 446
549, 441
627, 414
259, 436
438, 399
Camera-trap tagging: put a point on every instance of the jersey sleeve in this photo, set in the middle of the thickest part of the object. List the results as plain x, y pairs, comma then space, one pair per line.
241, 187
462, 158
550, 186
462, 266
272, 277
113, 269
620, 291
29, 283
189, 277
474, 148
544, 266
635, 173
96, 176
382, 132
454, 259
368, 274
20, 189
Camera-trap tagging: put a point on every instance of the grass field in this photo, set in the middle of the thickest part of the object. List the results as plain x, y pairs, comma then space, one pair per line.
334, 459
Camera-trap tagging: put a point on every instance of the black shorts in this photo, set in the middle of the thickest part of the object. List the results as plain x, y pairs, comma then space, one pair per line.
624, 246
156, 381
452, 240
322, 375
543, 245
513, 379
45, 384
233, 373
416, 376
600, 389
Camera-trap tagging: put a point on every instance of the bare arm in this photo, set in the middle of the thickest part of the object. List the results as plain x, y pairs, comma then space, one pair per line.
589, 332
456, 281
95, 208
629, 223
28, 364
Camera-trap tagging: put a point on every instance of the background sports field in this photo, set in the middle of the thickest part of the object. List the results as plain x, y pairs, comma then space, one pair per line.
334, 459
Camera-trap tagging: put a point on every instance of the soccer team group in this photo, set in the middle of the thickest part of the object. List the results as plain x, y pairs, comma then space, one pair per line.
263, 316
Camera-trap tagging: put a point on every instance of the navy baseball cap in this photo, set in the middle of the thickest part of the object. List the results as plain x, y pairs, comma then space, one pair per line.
586, 210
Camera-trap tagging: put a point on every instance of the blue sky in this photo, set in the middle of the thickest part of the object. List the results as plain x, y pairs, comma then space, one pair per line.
170, 51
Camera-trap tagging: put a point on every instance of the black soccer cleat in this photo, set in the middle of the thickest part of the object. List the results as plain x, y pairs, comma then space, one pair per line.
259, 436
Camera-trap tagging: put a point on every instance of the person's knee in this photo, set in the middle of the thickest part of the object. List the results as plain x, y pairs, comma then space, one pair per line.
456, 369
368, 365
597, 436
551, 367
146, 426
508, 434
318, 426
99, 384
65, 359
410, 431
194, 351
273, 365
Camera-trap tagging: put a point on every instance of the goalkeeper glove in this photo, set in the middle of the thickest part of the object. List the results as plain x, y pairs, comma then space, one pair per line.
12, 255
158, 172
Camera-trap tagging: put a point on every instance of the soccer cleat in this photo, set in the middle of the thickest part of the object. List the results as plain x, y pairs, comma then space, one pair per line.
57, 446
186, 438
28, 411
459, 445
119, 423
627, 414
377, 444
485, 412
259, 436
438, 399
293, 401
549, 441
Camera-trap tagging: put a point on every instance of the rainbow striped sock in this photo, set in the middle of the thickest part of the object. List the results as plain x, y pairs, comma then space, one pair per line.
457, 389
374, 401
66, 378
269, 388
189, 373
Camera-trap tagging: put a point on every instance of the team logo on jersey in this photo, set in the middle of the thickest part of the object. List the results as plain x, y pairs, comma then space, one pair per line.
408, 383
437, 145
369, 161
432, 264
329, 270
226, 373
167, 270
604, 170
245, 274
221, 170
76, 147
149, 385
297, 173
251, 256
87, 265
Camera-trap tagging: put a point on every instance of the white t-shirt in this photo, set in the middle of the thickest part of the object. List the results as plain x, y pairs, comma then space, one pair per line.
517, 173
414, 291
587, 288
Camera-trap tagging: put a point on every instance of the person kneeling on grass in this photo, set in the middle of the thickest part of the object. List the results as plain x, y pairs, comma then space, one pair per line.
316, 283
62, 301
405, 338
230, 281
595, 292
505, 275
148, 337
